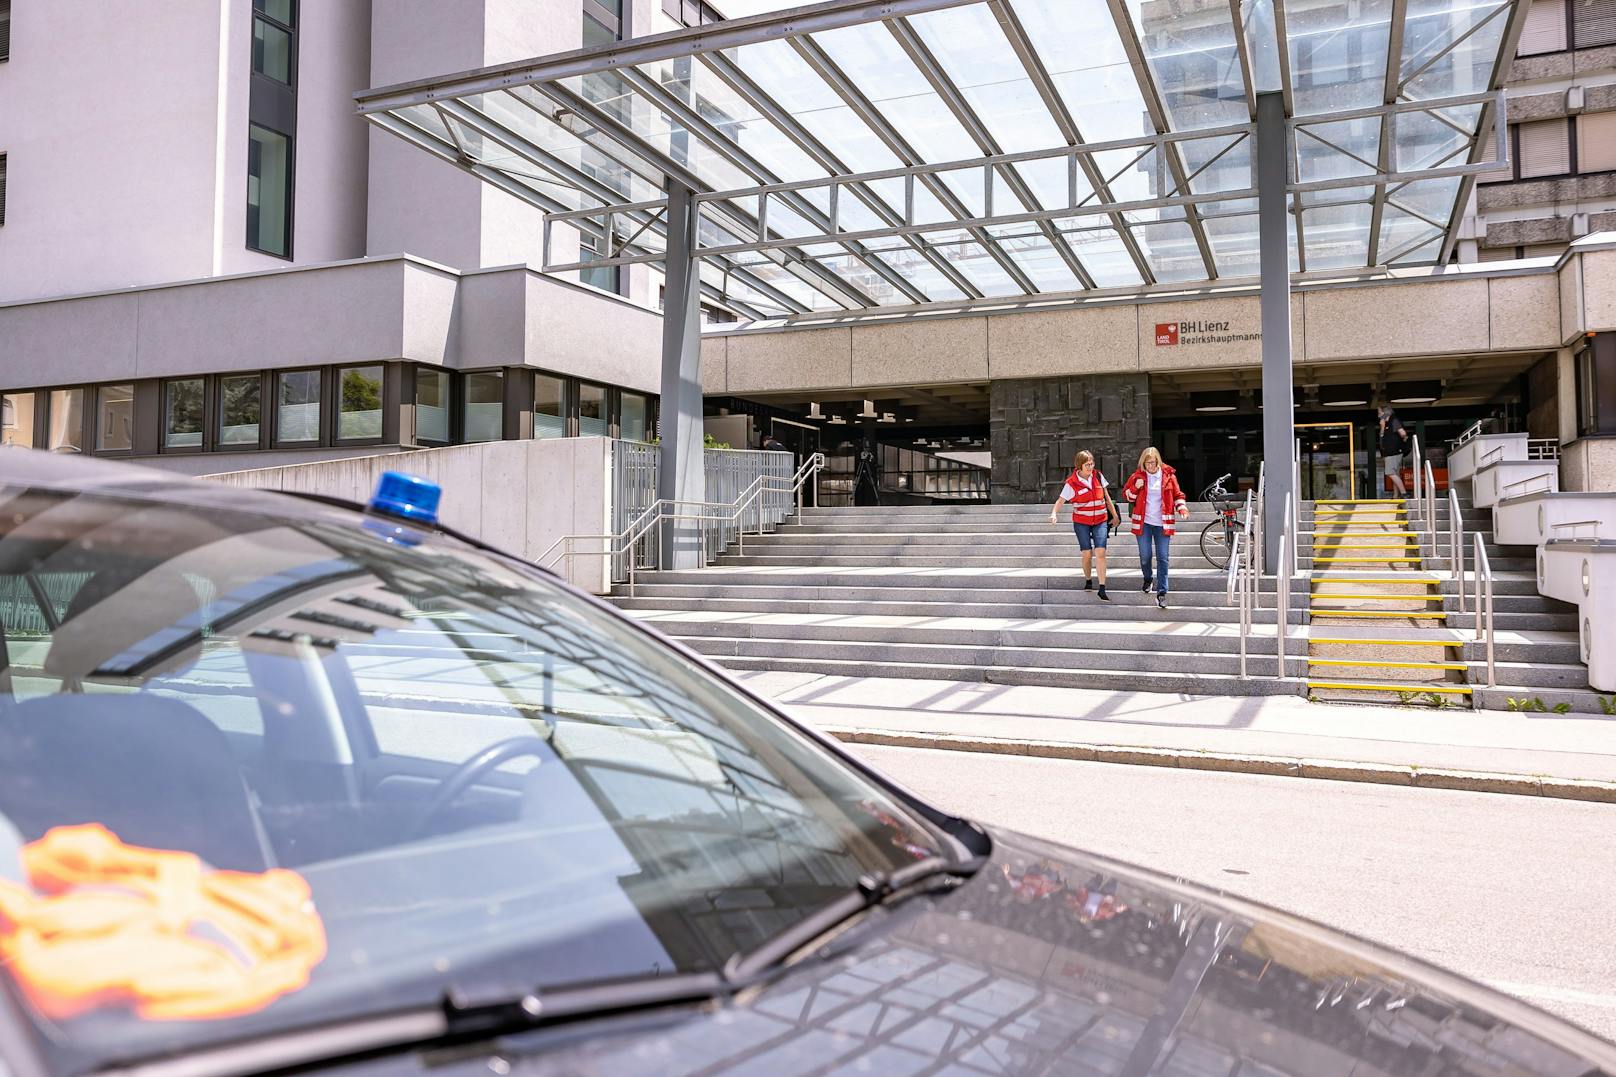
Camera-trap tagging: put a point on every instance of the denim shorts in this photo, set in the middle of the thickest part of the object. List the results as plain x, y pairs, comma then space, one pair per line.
1092, 536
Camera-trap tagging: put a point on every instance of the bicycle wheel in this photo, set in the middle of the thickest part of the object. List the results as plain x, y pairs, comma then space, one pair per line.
1215, 543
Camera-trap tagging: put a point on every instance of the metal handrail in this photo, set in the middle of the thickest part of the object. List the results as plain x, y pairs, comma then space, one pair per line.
1419, 494
1258, 511
1475, 429
1484, 612
1430, 505
1572, 525
1230, 571
1495, 453
1456, 543
1282, 584
673, 509
1543, 448
1548, 482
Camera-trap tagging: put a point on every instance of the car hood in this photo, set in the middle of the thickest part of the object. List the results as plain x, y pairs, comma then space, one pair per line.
1051, 961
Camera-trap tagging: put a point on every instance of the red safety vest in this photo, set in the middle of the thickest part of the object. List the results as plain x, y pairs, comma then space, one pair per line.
1137, 488
1087, 497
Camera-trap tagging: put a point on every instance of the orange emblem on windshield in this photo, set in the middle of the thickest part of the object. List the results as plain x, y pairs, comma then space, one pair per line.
109, 924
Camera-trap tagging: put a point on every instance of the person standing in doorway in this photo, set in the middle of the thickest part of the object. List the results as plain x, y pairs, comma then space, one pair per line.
1094, 514
1156, 507
1392, 439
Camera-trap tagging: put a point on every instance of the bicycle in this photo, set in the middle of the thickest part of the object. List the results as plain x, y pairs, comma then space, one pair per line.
1217, 537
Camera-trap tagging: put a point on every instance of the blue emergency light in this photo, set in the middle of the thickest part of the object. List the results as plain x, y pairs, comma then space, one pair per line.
406, 497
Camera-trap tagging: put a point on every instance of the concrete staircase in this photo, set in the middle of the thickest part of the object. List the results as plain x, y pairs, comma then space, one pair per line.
994, 593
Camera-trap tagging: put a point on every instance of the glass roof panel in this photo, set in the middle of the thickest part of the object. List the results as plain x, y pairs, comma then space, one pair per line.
733, 118
1234, 242
1102, 253
1450, 46
1337, 236
917, 88
1192, 54
1338, 53
971, 259
1171, 251
1217, 164
1086, 61
973, 52
1337, 150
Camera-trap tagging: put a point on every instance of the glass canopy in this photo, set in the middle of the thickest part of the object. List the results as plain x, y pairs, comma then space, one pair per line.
907, 153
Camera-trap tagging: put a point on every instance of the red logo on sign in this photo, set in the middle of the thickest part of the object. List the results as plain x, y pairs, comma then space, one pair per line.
1166, 333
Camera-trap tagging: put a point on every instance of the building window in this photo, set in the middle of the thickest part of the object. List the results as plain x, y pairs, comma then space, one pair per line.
1544, 148
606, 278
592, 415
634, 416
1596, 386
66, 428
297, 407
183, 414
608, 14
241, 410
1596, 142
115, 418
1593, 23
273, 25
432, 405
269, 191
1545, 30
17, 420
5, 30
549, 406
2, 188
691, 12
485, 406
359, 403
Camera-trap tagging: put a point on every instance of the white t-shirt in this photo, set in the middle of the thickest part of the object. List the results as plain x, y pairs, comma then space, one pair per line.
1153, 497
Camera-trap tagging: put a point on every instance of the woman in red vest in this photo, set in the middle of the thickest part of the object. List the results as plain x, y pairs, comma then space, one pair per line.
1093, 515
1156, 506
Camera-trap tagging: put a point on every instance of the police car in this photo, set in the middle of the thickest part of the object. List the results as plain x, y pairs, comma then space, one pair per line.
290, 786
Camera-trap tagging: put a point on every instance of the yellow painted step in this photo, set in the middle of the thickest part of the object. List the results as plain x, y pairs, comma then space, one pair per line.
1376, 579
1363, 534
1366, 545
1366, 560
1361, 512
1383, 598
1353, 641
1360, 501
1406, 686
1386, 665
1328, 612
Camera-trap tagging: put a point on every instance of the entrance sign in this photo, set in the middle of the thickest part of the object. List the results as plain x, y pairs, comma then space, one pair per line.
1173, 334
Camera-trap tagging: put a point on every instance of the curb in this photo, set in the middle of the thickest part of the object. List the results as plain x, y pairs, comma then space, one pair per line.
1475, 781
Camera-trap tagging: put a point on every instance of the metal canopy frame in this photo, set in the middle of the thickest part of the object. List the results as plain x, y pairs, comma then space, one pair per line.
791, 220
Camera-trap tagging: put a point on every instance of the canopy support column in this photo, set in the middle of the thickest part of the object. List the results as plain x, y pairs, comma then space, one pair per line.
681, 476
1274, 235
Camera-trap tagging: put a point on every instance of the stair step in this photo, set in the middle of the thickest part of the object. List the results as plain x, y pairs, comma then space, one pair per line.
1406, 686
1367, 560
1378, 613
1378, 664
1385, 598
1354, 641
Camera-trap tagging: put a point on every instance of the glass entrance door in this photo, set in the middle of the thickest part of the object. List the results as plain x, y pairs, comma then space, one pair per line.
1329, 464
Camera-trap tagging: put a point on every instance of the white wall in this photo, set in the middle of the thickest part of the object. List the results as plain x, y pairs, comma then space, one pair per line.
125, 130
520, 496
108, 126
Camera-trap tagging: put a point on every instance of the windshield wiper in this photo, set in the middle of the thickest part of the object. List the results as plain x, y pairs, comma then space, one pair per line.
467, 1018
873, 889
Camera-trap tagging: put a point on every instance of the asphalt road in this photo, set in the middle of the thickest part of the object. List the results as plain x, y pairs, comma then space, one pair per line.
1514, 891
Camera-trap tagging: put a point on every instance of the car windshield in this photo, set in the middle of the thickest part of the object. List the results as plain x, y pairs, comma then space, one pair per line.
258, 772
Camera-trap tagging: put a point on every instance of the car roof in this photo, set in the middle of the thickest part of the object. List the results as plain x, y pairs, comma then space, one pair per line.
76, 474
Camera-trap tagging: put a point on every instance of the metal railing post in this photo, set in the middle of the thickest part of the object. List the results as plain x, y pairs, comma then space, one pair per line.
1456, 543
1484, 609
1282, 585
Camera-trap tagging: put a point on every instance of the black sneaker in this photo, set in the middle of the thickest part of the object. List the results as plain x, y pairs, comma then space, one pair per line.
1161, 601
1103, 594
1088, 584
1146, 588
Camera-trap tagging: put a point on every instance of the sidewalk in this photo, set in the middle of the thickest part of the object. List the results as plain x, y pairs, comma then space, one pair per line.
1532, 754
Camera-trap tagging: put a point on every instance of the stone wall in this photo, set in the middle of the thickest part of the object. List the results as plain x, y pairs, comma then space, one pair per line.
1038, 424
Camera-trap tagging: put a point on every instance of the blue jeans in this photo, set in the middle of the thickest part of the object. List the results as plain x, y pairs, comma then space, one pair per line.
1091, 536
1153, 546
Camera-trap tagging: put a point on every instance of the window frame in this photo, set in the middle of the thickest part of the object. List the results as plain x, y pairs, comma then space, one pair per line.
216, 396
321, 438
450, 405
578, 407
134, 440
5, 33
291, 194
336, 407
290, 30
463, 401
163, 447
